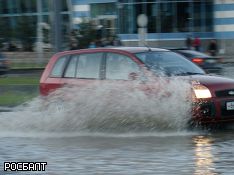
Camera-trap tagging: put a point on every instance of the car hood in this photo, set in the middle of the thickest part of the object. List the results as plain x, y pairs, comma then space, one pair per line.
214, 83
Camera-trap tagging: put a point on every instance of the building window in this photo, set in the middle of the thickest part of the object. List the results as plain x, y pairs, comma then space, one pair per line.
64, 5
23, 6
4, 7
104, 14
32, 6
5, 29
102, 9
165, 16
209, 16
14, 6
184, 17
45, 5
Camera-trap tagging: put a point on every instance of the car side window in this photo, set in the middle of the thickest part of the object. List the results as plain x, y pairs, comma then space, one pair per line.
58, 68
71, 68
120, 67
89, 65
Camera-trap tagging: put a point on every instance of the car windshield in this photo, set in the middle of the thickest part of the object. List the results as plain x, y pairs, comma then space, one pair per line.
168, 63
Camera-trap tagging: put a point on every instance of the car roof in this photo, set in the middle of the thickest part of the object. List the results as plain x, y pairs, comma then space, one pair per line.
106, 49
138, 49
132, 50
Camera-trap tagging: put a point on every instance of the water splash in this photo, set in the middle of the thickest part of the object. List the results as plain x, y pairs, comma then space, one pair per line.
105, 107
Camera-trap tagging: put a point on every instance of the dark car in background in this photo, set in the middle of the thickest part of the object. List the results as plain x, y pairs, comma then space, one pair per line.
209, 63
4, 64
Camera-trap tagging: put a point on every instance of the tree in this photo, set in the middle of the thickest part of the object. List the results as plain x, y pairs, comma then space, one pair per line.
87, 31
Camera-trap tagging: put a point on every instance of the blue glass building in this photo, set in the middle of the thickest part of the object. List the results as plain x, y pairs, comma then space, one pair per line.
169, 21
19, 20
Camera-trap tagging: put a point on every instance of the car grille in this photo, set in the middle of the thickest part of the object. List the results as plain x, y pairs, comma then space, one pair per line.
224, 111
225, 93
205, 109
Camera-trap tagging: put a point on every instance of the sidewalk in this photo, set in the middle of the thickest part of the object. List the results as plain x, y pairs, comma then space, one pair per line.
30, 59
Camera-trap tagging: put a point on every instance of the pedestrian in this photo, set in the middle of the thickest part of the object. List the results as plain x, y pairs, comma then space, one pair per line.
74, 45
92, 44
188, 42
104, 42
197, 43
213, 48
117, 41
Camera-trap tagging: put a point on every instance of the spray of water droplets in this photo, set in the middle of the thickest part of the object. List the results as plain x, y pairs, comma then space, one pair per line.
105, 107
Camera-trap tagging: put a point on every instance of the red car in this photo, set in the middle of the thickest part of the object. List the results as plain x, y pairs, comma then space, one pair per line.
213, 97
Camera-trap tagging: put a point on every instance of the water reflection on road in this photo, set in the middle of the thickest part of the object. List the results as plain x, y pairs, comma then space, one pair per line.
154, 153
204, 158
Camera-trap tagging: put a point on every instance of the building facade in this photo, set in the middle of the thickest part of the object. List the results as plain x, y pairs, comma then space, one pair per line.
169, 21
20, 19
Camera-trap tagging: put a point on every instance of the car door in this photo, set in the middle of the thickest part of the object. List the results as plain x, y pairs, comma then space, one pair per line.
123, 69
120, 67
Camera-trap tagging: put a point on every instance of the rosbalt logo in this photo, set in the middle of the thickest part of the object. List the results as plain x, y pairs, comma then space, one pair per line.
231, 92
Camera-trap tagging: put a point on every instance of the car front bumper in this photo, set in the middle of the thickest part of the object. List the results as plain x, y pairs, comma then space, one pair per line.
213, 111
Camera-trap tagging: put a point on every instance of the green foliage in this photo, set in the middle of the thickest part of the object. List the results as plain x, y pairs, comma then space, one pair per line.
4, 28
25, 31
11, 96
86, 34
4, 31
19, 80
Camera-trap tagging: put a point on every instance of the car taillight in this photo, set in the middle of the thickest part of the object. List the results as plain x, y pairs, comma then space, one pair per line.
197, 60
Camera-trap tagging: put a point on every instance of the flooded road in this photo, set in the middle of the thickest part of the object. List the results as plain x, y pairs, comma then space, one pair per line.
154, 153
137, 136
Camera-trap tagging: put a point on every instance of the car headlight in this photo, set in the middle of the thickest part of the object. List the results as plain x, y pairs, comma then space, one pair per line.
201, 91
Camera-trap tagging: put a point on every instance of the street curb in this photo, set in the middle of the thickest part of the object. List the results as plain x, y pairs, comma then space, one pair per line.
6, 109
26, 71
